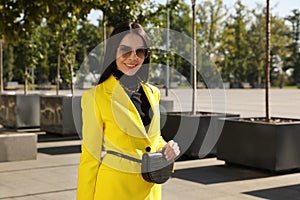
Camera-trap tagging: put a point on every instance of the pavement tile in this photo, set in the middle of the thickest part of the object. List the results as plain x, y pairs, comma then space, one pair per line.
53, 175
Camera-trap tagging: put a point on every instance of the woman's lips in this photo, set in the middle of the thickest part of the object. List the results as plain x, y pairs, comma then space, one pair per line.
131, 65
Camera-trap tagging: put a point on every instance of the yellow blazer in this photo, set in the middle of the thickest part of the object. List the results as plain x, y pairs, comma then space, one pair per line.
111, 121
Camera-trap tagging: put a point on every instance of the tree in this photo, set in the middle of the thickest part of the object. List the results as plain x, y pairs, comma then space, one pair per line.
115, 12
88, 38
8, 62
211, 19
181, 12
268, 59
234, 45
194, 58
211, 15
178, 11
43, 40
20, 18
63, 18
257, 44
293, 60
18, 21
1, 65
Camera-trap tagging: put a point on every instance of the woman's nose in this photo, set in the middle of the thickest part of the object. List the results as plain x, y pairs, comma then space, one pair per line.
133, 54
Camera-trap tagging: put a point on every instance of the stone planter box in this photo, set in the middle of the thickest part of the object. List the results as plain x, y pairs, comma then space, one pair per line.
166, 105
84, 85
261, 145
235, 85
56, 115
11, 85
200, 85
225, 85
174, 85
246, 85
196, 135
44, 86
19, 111
18, 146
261, 85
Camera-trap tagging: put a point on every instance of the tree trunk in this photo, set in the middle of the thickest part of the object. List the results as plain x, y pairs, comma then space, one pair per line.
168, 44
267, 73
1, 67
104, 30
194, 59
26, 81
58, 70
70, 64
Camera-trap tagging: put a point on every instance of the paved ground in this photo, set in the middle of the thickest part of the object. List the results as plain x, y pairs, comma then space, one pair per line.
54, 174
246, 102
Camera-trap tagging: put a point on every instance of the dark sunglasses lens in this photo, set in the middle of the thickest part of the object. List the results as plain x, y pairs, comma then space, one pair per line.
125, 51
142, 53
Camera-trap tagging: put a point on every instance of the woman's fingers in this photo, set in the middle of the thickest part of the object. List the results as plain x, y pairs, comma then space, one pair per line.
171, 150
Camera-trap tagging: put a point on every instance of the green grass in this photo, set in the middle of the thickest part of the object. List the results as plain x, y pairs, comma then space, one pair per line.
285, 87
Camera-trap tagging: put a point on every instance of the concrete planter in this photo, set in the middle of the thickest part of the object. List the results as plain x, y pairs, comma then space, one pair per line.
19, 111
197, 135
11, 85
200, 85
235, 85
225, 85
267, 146
246, 85
18, 146
166, 105
44, 86
84, 85
56, 114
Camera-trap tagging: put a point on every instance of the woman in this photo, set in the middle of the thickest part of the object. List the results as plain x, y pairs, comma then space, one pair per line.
121, 114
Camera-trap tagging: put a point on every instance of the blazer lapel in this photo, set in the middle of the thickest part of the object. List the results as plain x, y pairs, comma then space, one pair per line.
154, 127
124, 112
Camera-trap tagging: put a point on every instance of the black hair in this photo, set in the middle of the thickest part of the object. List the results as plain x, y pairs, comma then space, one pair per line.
109, 63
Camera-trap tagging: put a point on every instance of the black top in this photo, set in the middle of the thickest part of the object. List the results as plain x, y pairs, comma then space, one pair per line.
132, 86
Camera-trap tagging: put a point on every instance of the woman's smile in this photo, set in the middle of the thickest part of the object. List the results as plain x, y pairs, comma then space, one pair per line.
127, 59
131, 66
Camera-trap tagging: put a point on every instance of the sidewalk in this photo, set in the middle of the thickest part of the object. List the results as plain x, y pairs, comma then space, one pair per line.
53, 176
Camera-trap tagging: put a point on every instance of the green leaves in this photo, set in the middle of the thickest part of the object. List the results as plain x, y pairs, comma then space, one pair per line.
39, 30
293, 60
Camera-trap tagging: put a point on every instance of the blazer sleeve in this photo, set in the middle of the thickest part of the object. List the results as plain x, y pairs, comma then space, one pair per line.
162, 142
92, 133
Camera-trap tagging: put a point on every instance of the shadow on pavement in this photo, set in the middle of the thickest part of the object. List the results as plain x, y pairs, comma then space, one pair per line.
60, 150
218, 174
291, 192
56, 138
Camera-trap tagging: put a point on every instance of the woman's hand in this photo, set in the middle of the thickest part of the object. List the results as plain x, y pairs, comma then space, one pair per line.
170, 150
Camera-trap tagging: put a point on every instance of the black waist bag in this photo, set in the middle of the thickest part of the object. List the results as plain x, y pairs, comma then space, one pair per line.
155, 168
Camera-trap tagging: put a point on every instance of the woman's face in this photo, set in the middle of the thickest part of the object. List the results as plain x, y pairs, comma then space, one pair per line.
131, 54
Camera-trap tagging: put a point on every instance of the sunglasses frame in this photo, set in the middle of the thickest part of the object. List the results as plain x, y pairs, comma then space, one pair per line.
128, 53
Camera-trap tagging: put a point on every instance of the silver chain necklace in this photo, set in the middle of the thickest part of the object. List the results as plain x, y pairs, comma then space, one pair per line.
130, 91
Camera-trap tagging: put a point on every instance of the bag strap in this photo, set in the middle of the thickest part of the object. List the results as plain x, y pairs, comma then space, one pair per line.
124, 156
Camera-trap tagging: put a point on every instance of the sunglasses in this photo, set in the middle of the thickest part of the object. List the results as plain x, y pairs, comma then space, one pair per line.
126, 51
